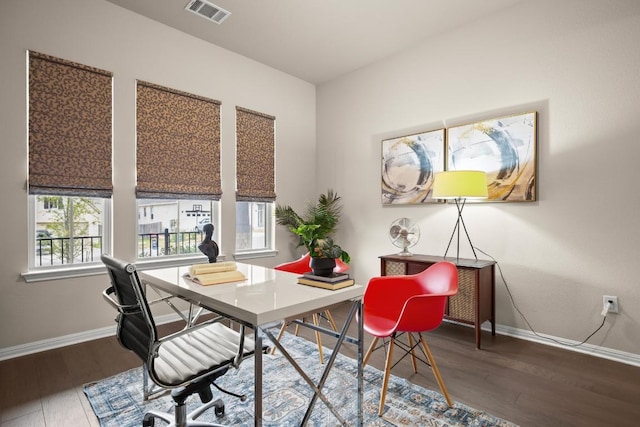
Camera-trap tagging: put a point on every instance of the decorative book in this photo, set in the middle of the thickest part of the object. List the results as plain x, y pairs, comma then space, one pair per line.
215, 273
215, 267
333, 278
326, 285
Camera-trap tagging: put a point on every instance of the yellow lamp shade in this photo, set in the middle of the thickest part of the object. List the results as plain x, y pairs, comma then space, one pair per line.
460, 185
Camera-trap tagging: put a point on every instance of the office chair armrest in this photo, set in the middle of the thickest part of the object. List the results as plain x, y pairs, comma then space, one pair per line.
106, 294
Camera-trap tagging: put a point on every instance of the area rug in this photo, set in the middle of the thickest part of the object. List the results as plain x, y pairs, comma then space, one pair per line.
117, 401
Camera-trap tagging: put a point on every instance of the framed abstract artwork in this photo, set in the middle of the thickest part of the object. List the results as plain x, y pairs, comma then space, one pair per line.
409, 164
505, 148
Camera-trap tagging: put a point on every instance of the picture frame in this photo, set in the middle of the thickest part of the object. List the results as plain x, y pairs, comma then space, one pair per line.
505, 148
409, 164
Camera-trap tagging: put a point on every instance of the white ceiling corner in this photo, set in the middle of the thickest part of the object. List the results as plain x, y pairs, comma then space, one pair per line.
319, 40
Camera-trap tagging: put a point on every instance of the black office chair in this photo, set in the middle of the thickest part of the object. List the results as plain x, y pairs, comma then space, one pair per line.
187, 362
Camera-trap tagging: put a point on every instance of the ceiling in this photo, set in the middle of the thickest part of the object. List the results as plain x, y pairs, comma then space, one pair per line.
318, 40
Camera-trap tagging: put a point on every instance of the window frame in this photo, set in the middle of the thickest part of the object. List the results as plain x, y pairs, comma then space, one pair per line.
269, 229
215, 220
52, 272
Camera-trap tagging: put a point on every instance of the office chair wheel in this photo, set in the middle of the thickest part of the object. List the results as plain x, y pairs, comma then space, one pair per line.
218, 409
148, 422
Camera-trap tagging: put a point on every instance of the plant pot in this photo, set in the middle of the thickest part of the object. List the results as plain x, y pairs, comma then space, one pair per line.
322, 266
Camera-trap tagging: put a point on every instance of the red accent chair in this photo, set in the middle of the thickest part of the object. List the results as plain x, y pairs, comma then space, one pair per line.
410, 305
301, 266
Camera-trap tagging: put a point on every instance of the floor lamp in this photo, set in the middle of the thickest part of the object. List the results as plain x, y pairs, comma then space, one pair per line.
460, 186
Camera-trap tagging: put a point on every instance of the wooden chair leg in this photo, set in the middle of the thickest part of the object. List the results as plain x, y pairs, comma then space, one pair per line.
327, 313
282, 329
318, 338
369, 351
316, 321
385, 379
436, 371
414, 360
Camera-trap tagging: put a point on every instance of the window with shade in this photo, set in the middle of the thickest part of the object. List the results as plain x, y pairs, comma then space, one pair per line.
69, 177
178, 170
255, 180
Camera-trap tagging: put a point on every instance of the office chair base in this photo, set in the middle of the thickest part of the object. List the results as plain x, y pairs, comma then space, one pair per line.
182, 419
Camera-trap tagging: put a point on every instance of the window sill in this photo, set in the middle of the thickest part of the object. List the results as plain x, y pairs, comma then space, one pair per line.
64, 273
98, 268
254, 254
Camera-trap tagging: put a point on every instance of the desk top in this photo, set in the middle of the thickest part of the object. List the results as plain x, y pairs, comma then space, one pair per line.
266, 296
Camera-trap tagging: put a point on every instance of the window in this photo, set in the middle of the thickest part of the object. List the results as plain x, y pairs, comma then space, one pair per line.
253, 230
255, 180
69, 182
178, 170
52, 202
175, 227
71, 232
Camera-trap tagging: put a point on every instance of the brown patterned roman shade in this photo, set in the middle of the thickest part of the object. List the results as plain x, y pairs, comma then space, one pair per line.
70, 128
255, 156
178, 144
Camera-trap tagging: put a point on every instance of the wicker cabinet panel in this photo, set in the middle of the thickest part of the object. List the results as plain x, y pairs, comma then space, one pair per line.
473, 304
462, 305
396, 269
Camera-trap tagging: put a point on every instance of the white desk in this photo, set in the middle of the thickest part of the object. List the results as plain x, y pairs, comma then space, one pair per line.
265, 297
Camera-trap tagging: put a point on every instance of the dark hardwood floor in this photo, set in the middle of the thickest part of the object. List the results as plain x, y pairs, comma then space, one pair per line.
526, 383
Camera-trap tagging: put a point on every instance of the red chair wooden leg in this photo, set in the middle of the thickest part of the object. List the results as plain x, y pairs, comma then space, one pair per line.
369, 351
436, 371
387, 373
318, 338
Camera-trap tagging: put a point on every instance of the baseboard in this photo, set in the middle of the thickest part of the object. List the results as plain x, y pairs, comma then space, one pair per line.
592, 350
52, 343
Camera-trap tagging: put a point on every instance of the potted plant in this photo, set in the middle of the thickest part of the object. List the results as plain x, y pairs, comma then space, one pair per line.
315, 229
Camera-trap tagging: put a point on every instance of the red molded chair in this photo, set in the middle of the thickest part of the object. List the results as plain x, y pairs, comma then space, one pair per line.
413, 304
301, 266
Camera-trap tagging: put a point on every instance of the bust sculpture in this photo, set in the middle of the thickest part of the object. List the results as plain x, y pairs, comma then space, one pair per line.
208, 246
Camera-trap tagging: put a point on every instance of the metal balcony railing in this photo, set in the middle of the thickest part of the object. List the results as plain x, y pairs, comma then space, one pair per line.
60, 250
161, 244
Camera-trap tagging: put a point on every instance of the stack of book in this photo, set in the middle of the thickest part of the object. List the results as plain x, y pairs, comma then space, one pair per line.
215, 273
333, 282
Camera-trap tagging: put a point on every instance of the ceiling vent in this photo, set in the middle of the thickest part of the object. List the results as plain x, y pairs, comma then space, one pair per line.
208, 10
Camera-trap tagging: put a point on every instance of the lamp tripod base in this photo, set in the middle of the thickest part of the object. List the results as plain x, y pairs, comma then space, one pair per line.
460, 205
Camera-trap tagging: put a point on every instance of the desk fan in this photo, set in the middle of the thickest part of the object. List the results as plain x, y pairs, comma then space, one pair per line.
404, 234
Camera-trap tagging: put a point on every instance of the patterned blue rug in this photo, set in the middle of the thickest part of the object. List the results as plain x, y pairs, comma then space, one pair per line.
117, 401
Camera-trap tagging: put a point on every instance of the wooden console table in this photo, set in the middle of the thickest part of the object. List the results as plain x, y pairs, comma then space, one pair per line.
475, 301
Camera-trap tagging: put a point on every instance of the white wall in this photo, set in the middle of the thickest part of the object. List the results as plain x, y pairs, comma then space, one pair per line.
100, 34
577, 63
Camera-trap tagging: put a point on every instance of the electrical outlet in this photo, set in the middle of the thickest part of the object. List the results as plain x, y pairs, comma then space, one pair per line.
613, 307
